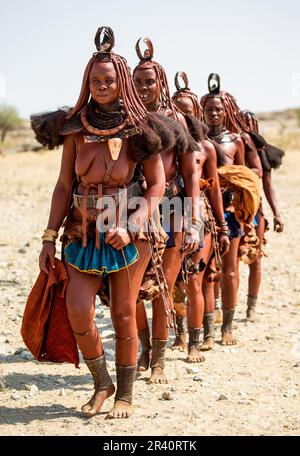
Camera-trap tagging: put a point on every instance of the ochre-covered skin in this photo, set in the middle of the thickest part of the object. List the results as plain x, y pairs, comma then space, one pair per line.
232, 151
149, 88
88, 162
207, 168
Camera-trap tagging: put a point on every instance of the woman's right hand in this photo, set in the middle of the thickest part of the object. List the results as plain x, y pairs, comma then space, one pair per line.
47, 257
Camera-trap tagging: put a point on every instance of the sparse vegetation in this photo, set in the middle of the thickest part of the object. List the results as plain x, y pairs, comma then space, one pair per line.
9, 120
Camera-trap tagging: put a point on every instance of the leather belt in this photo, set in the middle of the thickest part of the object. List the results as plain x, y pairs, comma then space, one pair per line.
91, 200
174, 187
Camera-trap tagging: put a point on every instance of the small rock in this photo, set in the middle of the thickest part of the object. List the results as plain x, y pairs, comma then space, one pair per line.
155, 415
21, 250
166, 396
33, 389
60, 381
192, 370
110, 352
19, 350
245, 402
222, 397
297, 364
243, 393
260, 350
290, 393
197, 379
26, 355
62, 392
99, 313
15, 396
107, 334
173, 389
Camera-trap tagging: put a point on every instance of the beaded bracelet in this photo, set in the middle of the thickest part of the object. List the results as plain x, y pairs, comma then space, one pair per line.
133, 230
49, 236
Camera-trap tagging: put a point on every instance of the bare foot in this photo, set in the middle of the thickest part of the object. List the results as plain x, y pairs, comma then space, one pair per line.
179, 343
95, 403
157, 376
218, 316
144, 361
251, 314
194, 355
208, 344
121, 409
228, 339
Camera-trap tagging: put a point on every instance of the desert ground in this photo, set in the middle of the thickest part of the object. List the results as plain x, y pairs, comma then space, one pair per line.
252, 388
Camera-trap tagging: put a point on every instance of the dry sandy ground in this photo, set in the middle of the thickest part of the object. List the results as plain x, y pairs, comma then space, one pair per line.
259, 378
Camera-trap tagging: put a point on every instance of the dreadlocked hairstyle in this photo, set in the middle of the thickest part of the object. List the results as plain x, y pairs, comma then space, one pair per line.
133, 106
234, 121
197, 128
238, 122
270, 156
49, 126
185, 92
165, 100
152, 133
146, 62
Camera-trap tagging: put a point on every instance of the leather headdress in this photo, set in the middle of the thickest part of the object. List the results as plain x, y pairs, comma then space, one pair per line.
104, 41
214, 84
183, 90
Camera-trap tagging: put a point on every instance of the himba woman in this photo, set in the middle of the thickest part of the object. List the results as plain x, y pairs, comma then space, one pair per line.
180, 170
219, 117
195, 266
104, 136
270, 158
260, 157
249, 240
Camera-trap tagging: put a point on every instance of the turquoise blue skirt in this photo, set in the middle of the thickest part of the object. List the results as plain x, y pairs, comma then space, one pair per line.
101, 261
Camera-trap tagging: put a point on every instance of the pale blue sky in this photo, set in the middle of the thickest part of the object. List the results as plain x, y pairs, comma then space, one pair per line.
253, 45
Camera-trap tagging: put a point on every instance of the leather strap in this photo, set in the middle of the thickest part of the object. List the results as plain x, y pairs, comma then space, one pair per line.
108, 171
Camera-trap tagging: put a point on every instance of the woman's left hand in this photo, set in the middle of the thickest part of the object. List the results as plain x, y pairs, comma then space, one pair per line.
117, 237
224, 243
278, 224
191, 241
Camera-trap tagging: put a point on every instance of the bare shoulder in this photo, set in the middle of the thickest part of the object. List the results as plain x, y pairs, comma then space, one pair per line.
208, 146
70, 145
181, 119
238, 140
70, 139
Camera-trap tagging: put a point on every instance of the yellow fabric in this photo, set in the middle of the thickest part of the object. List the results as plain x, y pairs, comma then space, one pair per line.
245, 184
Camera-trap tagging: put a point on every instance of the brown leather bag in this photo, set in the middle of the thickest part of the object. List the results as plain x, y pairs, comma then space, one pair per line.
46, 329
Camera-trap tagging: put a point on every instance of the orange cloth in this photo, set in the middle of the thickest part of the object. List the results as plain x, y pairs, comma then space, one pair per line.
46, 329
245, 184
206, 184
